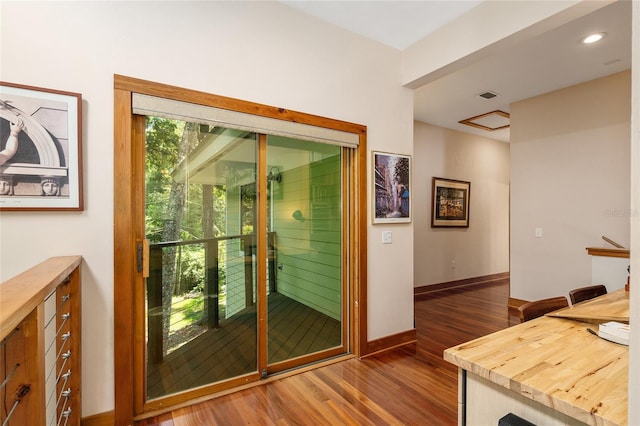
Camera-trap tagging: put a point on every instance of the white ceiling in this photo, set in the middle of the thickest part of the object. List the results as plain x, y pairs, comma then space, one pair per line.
548, 62
398, 24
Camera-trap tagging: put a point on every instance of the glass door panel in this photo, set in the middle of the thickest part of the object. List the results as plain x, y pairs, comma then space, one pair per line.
200, 197
304, 239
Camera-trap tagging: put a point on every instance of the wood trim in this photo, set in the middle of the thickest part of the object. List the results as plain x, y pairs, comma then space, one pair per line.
101, 419
138, 284
304, 361
123, 256
359, 243
202, 98
485, 279
182, 399
470, 121
514, 303
607, 252
391, 342
347, 276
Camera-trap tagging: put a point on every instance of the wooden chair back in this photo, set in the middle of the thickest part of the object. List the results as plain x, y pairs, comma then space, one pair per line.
585, 293
538, 308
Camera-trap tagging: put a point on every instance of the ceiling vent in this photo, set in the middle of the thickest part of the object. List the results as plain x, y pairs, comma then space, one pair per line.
487, 95
494, 120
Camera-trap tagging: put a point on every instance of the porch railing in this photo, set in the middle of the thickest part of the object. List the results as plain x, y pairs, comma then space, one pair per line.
216, 257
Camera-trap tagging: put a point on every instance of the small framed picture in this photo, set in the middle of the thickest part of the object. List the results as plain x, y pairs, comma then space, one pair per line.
391, 183
450, 203
40, 149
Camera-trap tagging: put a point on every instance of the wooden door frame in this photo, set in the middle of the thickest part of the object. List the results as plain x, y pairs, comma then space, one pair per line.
129, 224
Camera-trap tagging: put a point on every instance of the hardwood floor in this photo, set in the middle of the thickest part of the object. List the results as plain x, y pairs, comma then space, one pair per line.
410, 385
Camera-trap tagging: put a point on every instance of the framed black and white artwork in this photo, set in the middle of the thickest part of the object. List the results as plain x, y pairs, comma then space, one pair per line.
40, 148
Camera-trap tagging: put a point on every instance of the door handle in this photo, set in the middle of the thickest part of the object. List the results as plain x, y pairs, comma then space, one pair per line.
142, 257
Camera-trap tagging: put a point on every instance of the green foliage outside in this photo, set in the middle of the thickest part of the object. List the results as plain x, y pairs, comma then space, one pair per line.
163, 137
163, 151
187, 310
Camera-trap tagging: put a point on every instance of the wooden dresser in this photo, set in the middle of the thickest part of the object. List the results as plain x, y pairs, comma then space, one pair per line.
40, 349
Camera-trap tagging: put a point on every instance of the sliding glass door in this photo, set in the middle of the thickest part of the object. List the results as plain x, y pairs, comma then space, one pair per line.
305, 301
240, 243
201, 316
213, 283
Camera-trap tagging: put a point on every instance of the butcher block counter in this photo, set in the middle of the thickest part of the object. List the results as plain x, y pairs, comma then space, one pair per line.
609, 307
548, 371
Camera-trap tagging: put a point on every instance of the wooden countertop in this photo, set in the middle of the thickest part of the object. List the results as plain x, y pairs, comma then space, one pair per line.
607, 252
556, 362
612, 306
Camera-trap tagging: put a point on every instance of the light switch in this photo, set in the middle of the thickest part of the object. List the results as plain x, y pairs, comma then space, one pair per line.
387, 237
538, 232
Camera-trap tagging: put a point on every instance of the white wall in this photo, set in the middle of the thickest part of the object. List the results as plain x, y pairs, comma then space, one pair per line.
257, 51
569, 176
483, 248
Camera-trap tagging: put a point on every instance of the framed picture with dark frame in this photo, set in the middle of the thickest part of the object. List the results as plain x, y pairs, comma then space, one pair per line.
450, 203
391, 186
40, 148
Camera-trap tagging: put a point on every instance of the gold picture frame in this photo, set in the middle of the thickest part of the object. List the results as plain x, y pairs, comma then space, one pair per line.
450, 203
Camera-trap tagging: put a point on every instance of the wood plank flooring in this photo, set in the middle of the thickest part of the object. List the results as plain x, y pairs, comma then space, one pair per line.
230, 350
411, 385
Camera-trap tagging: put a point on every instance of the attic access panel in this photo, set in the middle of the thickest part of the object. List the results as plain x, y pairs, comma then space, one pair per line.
494, 120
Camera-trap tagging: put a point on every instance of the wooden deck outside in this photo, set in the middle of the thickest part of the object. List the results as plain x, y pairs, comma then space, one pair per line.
411, 385
230, 350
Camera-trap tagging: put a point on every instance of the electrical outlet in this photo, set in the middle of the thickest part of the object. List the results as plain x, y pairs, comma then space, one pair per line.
453, 264
538, 232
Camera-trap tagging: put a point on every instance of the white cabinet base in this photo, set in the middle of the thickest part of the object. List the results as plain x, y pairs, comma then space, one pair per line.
485, 402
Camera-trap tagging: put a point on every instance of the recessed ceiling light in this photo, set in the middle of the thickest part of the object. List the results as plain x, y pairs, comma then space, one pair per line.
592, 38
